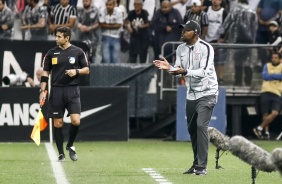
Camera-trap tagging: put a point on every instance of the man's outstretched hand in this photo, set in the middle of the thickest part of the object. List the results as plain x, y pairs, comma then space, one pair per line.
164, 65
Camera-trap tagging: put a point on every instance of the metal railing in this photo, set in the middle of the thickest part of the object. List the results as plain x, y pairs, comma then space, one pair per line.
231, 89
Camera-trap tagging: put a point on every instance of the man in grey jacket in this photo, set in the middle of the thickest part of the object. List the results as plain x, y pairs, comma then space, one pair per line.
194, 61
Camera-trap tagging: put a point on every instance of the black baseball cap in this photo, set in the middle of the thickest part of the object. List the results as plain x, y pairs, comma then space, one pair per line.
191, 25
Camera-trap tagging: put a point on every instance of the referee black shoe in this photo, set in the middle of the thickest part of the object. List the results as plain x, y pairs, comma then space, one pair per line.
72, 153
61, 158
192, 170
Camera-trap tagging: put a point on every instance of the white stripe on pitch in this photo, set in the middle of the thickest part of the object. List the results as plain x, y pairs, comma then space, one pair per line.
56, 166
156, 176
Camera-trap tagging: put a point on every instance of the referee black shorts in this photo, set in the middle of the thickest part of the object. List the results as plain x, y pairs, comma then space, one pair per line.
64, 98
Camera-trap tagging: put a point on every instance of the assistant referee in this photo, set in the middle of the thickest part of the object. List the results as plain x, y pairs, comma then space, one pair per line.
65, 63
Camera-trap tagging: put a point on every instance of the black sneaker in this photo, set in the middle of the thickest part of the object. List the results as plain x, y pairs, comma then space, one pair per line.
61, 158
192, 170
201, 171
72, 153
258, 133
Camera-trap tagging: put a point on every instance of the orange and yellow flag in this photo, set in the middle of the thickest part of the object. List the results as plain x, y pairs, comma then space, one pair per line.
40, 125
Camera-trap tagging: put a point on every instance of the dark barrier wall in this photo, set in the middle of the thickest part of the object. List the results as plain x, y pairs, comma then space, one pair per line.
142, 88
18, 56
104, 114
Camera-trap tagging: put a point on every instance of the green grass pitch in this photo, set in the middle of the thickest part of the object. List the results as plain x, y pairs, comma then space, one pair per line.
122, 163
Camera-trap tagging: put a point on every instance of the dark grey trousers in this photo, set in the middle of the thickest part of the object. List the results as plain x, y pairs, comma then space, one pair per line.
198, 114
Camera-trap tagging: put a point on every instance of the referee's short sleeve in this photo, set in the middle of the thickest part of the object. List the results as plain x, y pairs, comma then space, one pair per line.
47, 61
83, 61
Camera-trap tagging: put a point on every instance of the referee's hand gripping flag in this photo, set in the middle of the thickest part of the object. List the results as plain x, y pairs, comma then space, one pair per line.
40, 124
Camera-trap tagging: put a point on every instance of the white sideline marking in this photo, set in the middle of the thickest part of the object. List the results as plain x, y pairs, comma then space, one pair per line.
56, 166
156, 176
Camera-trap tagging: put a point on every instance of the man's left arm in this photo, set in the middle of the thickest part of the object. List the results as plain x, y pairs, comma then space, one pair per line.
83, 71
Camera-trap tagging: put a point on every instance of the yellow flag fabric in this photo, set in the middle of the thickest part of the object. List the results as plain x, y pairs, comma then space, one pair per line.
43, 122
35, 134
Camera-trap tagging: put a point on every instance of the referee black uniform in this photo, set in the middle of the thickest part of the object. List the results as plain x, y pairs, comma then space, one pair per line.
64, 63
59, 60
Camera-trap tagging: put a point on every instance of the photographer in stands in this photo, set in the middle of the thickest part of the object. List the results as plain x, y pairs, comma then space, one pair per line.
22, 79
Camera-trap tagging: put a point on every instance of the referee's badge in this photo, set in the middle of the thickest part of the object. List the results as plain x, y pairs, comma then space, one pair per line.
72, 60
54, 61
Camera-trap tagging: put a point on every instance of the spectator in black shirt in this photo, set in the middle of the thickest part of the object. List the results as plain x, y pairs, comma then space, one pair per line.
65, 63
137, 24
165, 24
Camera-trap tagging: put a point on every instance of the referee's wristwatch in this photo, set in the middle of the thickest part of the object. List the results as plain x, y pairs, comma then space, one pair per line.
77, 71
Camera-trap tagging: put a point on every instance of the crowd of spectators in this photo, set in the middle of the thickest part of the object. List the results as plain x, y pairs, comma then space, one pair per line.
110, 27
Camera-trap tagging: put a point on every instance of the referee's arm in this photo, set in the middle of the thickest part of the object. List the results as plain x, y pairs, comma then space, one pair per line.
83, 71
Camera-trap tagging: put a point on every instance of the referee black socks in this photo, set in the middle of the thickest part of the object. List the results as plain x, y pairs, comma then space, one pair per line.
72, 134
59, 138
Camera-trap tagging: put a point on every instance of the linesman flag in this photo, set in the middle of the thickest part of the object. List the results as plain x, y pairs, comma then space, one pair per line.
40, 125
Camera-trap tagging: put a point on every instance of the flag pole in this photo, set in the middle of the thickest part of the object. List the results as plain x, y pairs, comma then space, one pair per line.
50, 130
50, 119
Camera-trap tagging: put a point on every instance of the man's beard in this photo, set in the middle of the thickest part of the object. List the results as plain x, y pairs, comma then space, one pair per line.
86, 6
